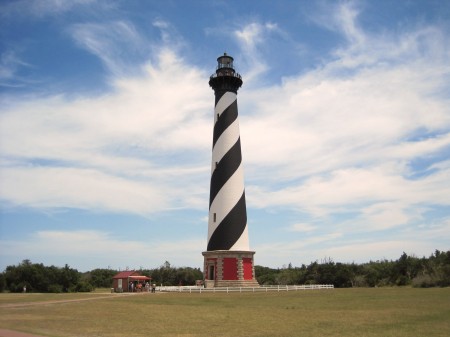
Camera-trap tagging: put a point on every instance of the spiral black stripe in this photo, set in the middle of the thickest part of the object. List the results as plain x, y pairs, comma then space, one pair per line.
225, 169
231, 227
226, 118
218, 95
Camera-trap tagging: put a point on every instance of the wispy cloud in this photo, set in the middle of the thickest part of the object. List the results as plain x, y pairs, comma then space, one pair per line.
40, 9
99, 249
119, 151
108, 41
291, 250
378, 250
60, 187
302, 227
10, 66
355, 145
251, 38
346, 138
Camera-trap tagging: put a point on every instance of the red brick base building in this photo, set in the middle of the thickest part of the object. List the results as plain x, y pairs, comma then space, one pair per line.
224, 268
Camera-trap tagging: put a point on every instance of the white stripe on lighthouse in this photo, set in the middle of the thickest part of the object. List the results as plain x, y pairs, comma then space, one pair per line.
224, 102
228, 138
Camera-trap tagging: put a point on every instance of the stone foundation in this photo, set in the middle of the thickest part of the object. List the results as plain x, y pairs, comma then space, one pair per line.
223, 268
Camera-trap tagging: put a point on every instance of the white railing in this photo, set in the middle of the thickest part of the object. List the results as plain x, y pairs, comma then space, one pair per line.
197, 289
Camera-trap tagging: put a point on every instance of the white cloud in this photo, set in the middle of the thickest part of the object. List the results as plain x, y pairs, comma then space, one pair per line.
100, 249
378, 250
250, 39
383, 215
302, 227
334, 140
342, 139
345, 19
346, 250
51, 187
294, 249
9, 62
107, 42
42, 9
119, 151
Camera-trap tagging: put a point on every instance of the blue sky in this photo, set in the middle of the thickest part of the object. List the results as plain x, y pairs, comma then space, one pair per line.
106, 123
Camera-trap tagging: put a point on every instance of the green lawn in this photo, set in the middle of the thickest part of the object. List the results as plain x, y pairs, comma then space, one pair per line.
339, 312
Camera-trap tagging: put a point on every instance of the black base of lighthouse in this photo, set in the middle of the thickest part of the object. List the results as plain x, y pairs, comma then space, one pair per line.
224, 268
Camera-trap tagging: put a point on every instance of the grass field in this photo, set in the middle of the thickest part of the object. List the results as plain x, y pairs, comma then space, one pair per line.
339, 312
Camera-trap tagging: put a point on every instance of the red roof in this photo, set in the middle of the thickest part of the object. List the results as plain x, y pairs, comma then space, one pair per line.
140, 277
126, 274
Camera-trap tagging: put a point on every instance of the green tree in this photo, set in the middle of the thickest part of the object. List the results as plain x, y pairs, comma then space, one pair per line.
187, 275
100, 278
286, 276
2, 282
265, 275
172, 276
69, 278
38, 278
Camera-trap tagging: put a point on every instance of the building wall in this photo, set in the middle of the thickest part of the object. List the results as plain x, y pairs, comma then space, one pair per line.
248, 268
230, 268
124, 284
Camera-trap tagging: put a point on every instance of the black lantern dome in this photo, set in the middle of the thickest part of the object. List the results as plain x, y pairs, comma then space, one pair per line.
225, 77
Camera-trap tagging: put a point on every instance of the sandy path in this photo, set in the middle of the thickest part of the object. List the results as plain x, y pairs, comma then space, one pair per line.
28, 304
11, 333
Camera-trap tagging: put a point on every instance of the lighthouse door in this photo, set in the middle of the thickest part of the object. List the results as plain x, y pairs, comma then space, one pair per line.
211, 272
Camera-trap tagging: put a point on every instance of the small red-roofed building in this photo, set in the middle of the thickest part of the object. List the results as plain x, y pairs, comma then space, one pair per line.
130, 280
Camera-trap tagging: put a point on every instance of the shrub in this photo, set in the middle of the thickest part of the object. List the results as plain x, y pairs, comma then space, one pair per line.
424, 281
83, 287
2, 282
55, 288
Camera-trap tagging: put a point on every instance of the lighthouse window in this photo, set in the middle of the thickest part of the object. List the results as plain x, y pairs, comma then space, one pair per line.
214, 217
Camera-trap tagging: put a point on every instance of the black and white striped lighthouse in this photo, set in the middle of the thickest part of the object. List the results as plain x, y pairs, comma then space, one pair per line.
228, 260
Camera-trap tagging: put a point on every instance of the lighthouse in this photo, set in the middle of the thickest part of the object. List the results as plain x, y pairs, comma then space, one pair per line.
228, 260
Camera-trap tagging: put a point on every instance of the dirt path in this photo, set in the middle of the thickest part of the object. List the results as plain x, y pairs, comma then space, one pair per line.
10, 333
28, 304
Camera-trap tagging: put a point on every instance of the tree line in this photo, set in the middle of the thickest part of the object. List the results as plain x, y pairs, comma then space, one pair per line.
35, 277
432, 271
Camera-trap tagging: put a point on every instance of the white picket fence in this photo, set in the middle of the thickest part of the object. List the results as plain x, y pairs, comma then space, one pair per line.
196, 289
